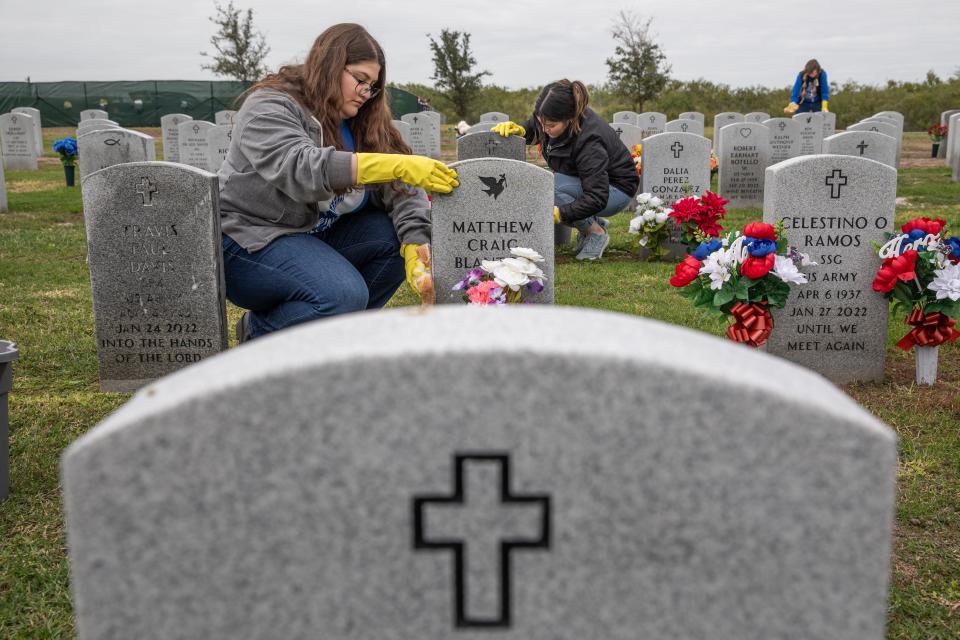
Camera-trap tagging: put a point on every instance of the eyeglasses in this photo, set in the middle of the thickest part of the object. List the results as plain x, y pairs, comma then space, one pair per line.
364, 88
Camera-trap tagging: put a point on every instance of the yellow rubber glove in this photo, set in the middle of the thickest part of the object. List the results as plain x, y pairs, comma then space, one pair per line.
416, 261
507, 129
556, 215
791, 108
824, 105
418, 171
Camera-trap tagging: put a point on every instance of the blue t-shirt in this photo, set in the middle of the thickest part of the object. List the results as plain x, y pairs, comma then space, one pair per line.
346, 203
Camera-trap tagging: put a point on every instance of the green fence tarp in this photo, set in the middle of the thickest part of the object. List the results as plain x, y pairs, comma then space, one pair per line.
141, 103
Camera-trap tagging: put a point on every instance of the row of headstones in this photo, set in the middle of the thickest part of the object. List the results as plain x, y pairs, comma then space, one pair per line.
950, 146
421, 131
653, 122
208, 500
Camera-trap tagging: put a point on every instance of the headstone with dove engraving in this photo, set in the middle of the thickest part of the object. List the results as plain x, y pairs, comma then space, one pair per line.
684, 125
18, 142
34, 113
675, 165
863, 144
499, 205
744, 157
488, 144
784, 139
834, 208
107, 147
170, 128
756, 116
221, 503
424, 134
829, 123
194, 149
226, 116
218, 144
156, 271
494, 116
652, 123
630, 117
93, 114
811, 132
692, 115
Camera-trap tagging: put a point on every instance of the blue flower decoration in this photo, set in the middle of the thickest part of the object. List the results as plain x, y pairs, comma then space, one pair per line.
759, 247
953, 243
706, 248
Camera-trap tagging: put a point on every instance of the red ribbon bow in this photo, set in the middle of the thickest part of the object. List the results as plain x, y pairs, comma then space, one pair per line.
929, 330
753, 325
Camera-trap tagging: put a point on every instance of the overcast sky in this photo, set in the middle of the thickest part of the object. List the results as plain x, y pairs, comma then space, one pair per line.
523, 43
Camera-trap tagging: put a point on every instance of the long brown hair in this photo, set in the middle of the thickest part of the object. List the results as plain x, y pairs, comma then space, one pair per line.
562, 101
315, 84
811, 66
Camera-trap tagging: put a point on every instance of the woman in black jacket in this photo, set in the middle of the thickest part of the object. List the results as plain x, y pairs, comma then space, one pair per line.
594, 174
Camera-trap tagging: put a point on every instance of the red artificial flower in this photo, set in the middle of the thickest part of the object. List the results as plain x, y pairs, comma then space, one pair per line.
686, 272
893, 269
684, 209
927, 225
756, 268
715, 202
760, 230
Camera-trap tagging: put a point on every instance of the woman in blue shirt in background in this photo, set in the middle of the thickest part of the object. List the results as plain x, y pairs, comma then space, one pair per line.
811, 90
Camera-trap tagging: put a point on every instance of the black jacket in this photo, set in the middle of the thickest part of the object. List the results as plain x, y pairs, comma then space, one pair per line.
595, 155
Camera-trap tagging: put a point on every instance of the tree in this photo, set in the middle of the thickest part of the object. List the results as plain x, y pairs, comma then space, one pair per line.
637, 70
240, 49
453, 70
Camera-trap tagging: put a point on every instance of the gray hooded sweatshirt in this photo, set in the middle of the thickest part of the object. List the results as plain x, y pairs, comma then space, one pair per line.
278, 177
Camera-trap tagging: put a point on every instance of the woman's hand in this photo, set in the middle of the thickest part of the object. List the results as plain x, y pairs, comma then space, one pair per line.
416, 262
418, 171
791, 108
507, 129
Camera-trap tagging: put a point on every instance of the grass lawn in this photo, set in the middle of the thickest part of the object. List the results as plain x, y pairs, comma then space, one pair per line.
45, 307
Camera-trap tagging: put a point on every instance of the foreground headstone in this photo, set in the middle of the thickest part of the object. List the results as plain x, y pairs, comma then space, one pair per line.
170, 127
18, 142
685, 125
744, 157
218, 145
652, 123
811, 132
630, 117
834, 208
676, 165
424, 134
93, 114
227, 116
34, 113
471, 500
488, 144
494, 116
756, 116
107, 147
194, 148
153, 242
499, 205
784, 139
863, 144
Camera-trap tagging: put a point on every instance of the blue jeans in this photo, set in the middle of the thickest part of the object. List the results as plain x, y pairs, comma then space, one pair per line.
352, 266
810, 107
566, 189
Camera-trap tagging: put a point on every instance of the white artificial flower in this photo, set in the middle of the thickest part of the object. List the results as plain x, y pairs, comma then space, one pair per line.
805, 260
662, 216
947, 282
506, 276
635, 225
520, 265
717, 266
649, 215
489, 265
655, 201
644, 198
785, 269
529, 254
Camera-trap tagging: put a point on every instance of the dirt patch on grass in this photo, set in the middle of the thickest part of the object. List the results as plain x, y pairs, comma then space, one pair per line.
30, 186
58, 294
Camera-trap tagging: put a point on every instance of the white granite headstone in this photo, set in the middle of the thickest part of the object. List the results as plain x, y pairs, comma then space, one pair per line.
494, 116
218, 144
744, 157
652, 123
676, 165
107, 147
34, 113
170, 128
811, 132
685, 125
756, 116
18, 142
784, 139
194, 148
863, 144
424, 134
226, 116
692, 115
93, 114
630, 117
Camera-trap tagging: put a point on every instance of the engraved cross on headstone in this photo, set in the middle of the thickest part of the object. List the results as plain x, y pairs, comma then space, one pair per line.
491, 146
684, 126
416, 119
862, 146
782, 125
146, 191
676, 148
481, 522
836, 180
619, 131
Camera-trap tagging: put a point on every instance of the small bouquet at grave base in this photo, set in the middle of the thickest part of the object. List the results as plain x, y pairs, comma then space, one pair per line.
743, 277
67, 148
503, 281
650, 224
699, 218
714, 163
921, 275
637, 154
937, 132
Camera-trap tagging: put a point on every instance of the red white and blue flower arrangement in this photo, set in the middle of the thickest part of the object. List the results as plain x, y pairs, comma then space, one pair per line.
503, 281
921, 275
743, 276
